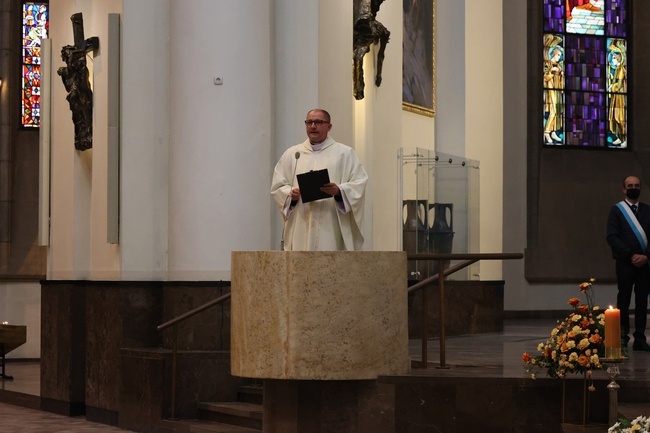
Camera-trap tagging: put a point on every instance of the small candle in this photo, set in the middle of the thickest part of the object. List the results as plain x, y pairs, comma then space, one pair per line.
612, 333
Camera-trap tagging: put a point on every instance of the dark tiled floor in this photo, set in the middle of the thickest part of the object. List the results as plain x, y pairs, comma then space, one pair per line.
486, 355
499, 354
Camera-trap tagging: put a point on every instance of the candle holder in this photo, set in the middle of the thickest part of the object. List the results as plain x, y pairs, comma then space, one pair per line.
613, 372
613, 353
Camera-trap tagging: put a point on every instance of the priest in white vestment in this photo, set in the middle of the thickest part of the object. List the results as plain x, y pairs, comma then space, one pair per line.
328, 224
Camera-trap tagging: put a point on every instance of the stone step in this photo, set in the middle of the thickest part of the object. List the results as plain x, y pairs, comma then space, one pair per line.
202, 426
237, 413
216, 427
250, 394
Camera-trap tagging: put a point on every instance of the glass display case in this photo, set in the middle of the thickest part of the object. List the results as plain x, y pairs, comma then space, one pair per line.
439, 205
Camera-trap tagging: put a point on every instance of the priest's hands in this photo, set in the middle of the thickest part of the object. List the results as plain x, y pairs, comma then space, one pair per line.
295, 194
331, 189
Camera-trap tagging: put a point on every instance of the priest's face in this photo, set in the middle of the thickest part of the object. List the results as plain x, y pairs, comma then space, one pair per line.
317, 126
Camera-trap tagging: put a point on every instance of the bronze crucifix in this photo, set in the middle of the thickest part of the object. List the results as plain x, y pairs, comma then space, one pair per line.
75, 78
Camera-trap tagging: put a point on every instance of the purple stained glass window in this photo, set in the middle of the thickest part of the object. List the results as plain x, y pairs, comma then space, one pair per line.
35, 28
585, 73
554, 16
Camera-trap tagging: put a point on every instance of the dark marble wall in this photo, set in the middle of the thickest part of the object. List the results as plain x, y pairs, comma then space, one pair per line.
471, 307
209, 330
85, 324
292, 406
146, 377
117, 316
63, 347
491, 405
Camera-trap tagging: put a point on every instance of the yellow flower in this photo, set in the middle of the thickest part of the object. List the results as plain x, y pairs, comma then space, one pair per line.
584, 343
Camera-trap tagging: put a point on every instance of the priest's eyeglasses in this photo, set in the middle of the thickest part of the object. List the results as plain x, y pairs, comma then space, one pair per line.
315, 122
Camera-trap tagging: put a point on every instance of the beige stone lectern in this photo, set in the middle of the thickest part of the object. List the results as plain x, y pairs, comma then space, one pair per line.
319, 315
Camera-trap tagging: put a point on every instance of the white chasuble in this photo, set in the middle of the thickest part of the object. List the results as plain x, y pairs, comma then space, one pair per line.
321, 225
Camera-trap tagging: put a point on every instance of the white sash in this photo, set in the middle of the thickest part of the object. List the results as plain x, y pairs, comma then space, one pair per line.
634, 224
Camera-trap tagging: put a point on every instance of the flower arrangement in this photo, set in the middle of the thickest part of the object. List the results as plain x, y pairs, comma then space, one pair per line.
638, 425
575, 344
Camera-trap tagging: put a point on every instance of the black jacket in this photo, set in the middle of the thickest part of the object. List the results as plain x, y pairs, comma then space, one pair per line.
620, 236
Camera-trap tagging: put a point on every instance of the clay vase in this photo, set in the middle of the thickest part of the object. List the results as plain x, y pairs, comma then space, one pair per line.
414, 235
441, 229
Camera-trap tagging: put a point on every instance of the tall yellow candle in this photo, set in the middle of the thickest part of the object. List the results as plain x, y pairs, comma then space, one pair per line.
612, 333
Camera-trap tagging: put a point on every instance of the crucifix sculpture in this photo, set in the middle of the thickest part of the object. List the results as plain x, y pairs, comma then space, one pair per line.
75, 78
367, 31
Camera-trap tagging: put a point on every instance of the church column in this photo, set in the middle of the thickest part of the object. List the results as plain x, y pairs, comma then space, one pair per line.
8, 66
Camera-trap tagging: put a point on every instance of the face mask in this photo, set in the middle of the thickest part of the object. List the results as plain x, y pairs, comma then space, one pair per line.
632, 193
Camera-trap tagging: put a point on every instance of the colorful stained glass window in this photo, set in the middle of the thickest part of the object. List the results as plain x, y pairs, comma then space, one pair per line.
35, 28
585, 73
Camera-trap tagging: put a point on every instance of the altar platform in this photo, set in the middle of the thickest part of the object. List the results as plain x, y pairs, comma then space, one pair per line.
489, 361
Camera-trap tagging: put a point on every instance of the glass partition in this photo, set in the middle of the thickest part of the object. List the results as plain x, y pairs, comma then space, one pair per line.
439, 205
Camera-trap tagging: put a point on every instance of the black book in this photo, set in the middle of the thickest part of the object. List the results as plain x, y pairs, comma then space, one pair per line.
310, 184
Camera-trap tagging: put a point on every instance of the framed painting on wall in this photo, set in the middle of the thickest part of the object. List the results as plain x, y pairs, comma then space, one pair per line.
419, 58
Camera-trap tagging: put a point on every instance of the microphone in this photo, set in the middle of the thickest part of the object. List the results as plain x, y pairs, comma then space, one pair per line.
284, 226
297, 156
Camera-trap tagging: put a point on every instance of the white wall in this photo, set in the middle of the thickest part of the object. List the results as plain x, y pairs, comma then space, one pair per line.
451, 76
469, 103
484, 120
378, 122
220, 135
144, 138
78, 248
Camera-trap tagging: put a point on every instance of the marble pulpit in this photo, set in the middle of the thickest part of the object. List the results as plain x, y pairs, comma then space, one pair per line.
334, 315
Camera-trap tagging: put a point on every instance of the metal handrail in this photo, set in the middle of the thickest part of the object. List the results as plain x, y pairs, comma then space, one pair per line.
441, 258
175, 322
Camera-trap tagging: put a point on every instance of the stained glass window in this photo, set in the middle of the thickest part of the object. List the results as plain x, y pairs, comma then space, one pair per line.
35, 28
585, 73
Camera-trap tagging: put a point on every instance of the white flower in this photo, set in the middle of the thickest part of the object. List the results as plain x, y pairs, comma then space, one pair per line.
540, 347
576, 318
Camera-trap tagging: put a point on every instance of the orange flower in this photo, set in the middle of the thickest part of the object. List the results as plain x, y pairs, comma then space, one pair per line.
582, 309
584, 324
565, 347
584, 287
583, 360
574, 301
525, 357
595, 339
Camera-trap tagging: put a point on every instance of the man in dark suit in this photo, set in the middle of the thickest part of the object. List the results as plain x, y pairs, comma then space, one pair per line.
628, 226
